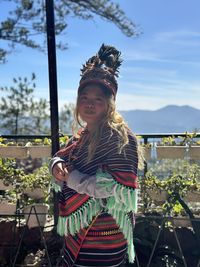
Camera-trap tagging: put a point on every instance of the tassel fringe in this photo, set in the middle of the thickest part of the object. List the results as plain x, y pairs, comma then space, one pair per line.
55, 186
126, 226
81, 218
119, 205
124, 199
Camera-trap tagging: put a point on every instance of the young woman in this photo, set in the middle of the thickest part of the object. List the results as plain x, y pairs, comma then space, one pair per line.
98, 173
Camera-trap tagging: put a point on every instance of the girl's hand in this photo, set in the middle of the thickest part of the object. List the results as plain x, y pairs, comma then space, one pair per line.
60, 172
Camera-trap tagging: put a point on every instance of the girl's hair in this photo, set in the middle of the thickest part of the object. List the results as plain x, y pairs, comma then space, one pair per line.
111, 118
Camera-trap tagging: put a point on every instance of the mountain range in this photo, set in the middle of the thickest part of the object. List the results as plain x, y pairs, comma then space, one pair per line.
169, 119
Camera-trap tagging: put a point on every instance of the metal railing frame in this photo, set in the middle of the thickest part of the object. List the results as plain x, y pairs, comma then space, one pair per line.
146, 138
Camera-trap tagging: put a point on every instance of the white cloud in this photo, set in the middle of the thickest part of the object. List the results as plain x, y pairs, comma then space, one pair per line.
181, 37
140, 55
178, 47
145, 71
160, 57
164, 88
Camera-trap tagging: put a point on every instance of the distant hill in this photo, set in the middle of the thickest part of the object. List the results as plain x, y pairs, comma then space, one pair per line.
169, 119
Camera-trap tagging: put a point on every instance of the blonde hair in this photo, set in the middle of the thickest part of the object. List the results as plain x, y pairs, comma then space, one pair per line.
111, 118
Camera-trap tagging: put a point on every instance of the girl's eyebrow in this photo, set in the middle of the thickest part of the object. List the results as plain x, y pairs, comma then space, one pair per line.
96, 95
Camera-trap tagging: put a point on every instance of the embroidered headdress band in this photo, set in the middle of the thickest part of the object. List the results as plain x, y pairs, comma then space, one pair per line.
103, 68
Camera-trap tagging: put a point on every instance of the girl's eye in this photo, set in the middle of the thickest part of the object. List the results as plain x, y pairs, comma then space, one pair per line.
83, 98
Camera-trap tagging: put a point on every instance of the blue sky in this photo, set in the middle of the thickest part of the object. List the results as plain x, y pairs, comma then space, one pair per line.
161, 67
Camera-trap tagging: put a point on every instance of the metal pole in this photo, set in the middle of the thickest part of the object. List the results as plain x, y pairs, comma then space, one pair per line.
52, 75
51, 44
145, 163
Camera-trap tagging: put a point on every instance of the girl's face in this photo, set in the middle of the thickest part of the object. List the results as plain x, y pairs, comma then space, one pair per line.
92, 105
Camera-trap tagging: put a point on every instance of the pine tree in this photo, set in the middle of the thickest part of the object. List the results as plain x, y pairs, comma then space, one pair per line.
20, 113
26, 21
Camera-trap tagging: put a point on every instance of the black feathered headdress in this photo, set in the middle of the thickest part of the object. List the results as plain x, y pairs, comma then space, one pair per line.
102, 69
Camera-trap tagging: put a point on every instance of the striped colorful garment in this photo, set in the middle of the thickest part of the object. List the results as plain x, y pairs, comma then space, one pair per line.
99, 232
101, 247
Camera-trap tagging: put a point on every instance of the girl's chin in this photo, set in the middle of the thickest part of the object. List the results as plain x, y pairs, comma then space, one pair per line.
88, 117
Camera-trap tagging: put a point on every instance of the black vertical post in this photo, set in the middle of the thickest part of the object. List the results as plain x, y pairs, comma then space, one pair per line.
145, 163
51, 45
52, 75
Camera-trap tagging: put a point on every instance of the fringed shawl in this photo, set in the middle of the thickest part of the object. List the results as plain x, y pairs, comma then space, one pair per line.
77, 210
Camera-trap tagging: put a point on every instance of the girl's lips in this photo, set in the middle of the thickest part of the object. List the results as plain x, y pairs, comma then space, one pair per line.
89, 111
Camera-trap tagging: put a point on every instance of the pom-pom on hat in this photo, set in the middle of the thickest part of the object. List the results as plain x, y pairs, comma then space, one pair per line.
103, 68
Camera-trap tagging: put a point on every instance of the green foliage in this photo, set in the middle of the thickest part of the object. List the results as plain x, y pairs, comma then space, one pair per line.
184, 179
40, 116
188, 139
66, 118
9, 172
39, 142
27, 20
5, 142
152, 180
63, 140
15, 106
39, 178
168, 141
12, 174
20, 113
178, 185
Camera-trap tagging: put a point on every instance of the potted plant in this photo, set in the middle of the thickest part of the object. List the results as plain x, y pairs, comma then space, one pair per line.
4, 185
39, 148
195, 151
36, 184
12, 149
183, 182
7, 205
170, 148
36, 194
191, 176
154, 188
194, 145
9, 173
147, 149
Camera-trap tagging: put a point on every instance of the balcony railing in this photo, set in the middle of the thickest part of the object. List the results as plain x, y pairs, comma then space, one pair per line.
159, 223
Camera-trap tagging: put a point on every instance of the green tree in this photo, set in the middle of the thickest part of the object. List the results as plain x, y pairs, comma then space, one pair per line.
20, 114
27, 20
40, 116
66, 118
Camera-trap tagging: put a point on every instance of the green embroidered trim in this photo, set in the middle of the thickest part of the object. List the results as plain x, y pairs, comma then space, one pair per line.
81, 218
56, 187
61, 225
124, 197
123, 201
